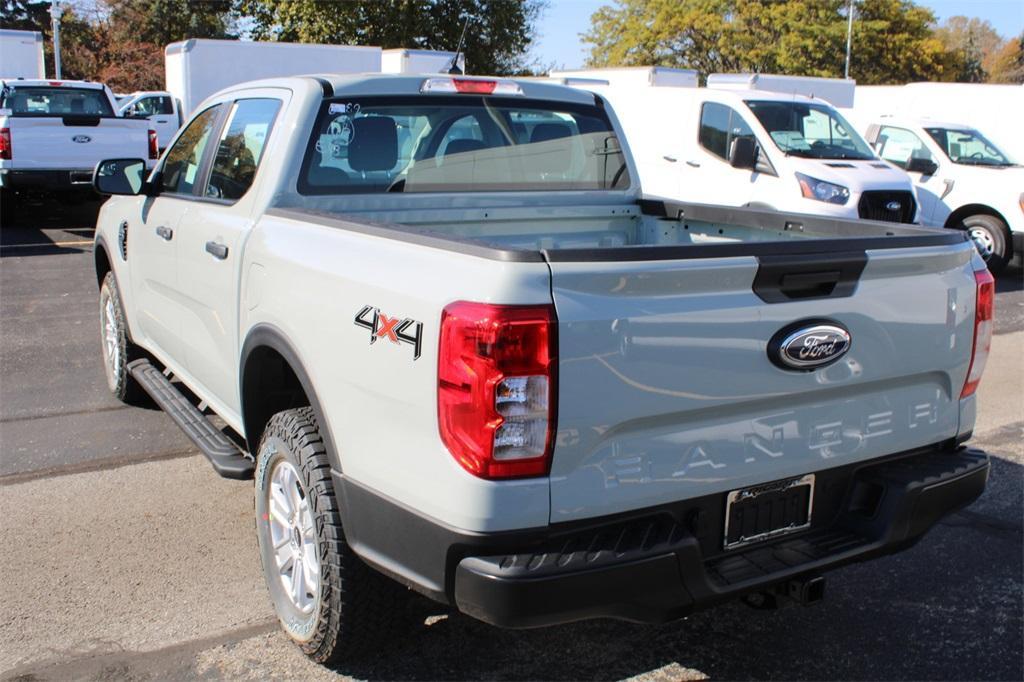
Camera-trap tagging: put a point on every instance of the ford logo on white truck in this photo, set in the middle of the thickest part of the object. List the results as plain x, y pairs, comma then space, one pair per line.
893, 206
81, 139
809, 345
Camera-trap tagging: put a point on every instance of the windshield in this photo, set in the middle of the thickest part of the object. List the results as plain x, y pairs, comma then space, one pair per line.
460, 143
815, 131
55, 101
968, 147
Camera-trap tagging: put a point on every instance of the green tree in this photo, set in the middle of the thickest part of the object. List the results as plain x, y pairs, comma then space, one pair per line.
499, 34
974, 41
892, 39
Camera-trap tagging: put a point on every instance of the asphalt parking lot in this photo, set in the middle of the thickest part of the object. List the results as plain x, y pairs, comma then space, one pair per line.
125, 557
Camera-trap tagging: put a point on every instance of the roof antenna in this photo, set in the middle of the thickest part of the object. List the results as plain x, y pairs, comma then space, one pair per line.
453, 69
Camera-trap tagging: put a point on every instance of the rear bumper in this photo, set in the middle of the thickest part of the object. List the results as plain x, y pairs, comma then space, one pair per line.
46, 180
661, 564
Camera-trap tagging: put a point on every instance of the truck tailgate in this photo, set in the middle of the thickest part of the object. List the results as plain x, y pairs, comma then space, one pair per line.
75, 143
666, 390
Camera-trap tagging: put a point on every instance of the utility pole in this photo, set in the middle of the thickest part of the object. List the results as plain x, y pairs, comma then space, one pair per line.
849, 37
55, 14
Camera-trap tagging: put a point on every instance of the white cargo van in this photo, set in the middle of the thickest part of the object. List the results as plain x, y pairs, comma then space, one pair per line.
963, 180
197, 68
747, 147
400, 60
836, 91
21, 54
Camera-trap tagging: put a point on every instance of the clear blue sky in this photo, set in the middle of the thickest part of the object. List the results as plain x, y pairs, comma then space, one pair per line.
559, 43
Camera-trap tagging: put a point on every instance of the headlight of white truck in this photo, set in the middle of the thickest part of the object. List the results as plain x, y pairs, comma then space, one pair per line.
812, 188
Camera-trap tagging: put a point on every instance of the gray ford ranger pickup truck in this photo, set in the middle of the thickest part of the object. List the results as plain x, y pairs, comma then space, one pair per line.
460, 352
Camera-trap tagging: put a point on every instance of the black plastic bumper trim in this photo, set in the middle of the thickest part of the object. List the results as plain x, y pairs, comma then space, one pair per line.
662, 563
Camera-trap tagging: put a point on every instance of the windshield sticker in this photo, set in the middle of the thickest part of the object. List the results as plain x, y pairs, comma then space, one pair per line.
394, 329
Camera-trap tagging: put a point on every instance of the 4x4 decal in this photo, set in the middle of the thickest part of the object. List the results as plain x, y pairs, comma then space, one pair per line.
394, 329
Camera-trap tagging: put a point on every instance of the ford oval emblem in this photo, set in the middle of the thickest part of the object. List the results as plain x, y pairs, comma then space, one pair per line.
81, 139
809, 344
893, 206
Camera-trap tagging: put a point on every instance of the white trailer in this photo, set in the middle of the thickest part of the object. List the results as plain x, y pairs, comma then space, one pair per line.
836, 91
198, 68
637, 76
21, 54
400, 60
996, 110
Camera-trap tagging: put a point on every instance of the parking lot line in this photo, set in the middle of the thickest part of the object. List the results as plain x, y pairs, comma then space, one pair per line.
36, 245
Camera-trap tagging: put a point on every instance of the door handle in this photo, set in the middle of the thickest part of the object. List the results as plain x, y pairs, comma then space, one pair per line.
670, 159
165, 233
161, 120
695, 164
217, 250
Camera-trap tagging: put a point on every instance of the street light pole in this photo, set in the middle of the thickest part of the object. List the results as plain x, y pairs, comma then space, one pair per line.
55, 14
849, 37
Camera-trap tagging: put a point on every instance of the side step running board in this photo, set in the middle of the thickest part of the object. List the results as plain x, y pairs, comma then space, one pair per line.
224, 455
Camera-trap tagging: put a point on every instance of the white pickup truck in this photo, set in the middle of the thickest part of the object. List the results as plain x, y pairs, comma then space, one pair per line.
963, 181
460, 353
53, 133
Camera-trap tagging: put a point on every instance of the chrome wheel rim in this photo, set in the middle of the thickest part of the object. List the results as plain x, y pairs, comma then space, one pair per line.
111, 337
983, 241
293, 538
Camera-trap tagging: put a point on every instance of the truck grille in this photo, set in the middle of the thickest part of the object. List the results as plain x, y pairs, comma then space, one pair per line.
883, 206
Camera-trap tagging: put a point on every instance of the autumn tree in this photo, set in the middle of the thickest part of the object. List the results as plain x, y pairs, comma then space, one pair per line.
892, 39
1006, 65
498, 37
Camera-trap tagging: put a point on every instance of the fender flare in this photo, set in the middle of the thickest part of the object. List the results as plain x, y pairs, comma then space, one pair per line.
269, 336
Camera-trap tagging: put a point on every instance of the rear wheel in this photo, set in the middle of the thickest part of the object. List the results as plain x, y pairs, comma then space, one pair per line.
990, 237
330, 603
118, 349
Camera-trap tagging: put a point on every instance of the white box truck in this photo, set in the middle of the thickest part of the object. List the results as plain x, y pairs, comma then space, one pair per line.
401, 60
747, 148
21, 54
836, 91
197, 68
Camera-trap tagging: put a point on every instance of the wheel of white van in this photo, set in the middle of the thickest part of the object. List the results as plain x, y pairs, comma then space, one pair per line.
989, 236
118, 349
329, 602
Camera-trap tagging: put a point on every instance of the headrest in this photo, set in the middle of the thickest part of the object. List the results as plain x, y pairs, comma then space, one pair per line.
543, 132
463, 145
374, 145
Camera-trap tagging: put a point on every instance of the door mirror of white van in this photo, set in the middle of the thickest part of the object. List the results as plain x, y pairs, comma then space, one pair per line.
119, 176
743, 153
922, 166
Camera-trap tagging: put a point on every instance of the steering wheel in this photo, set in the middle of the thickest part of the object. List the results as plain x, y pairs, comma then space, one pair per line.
976, 155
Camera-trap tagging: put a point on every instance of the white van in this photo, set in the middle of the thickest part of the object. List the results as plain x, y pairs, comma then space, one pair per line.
747, 147
21, 54
963, 180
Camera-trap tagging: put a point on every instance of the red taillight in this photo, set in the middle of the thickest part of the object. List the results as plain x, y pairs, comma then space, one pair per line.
154, 148
473, 86
984, 318
496, 387
6, 151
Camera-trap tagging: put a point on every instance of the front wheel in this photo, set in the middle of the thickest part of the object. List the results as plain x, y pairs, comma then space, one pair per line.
990, 237
118, 349
329, 602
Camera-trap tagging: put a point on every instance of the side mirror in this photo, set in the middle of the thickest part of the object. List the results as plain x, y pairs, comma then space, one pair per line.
119, 176
922, 166
743, 153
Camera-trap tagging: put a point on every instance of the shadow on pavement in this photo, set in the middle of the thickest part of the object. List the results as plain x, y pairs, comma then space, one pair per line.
949, 608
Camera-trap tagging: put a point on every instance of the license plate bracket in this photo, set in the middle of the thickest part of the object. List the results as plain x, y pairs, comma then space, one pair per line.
768, 510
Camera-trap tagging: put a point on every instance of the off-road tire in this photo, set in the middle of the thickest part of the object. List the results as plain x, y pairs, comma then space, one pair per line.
357, 607
994, 232
119, 380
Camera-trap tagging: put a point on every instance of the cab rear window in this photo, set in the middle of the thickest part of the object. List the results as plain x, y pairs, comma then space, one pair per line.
461, 143
55, 101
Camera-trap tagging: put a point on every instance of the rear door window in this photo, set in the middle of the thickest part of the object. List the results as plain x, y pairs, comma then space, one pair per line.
241, 148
